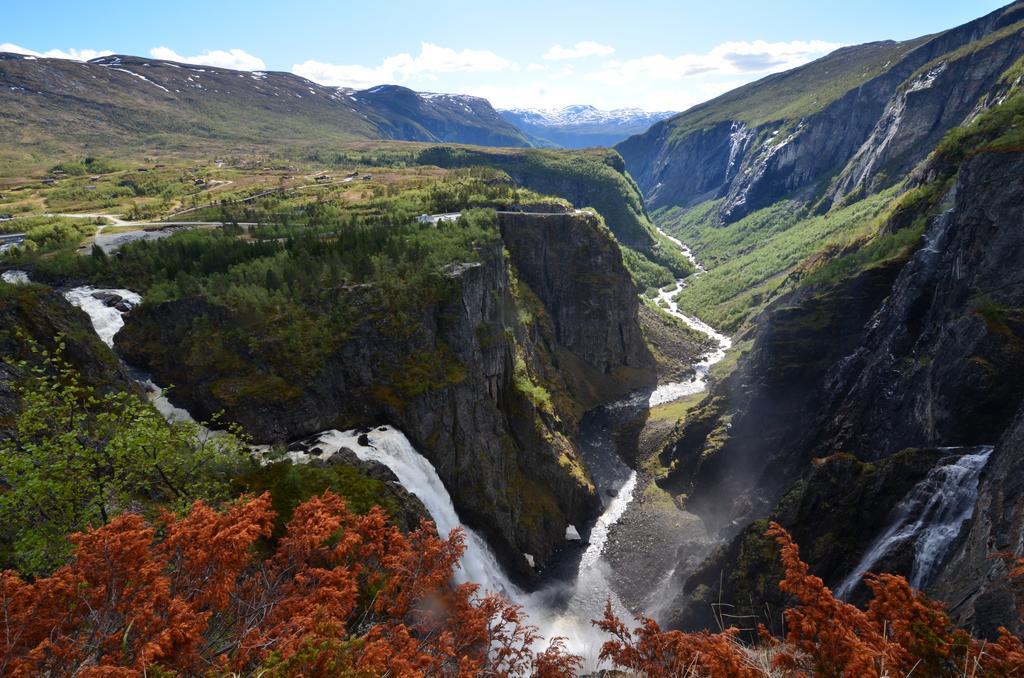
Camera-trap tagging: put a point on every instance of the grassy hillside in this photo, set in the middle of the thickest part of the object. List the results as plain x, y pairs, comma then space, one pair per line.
808, 89
749, 261
286, 191
587, 178
132, 107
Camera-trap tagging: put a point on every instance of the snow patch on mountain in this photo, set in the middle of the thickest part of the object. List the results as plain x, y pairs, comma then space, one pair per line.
585, 115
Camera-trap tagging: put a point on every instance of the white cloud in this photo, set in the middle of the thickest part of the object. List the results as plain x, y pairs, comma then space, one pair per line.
534, 68
587, 48
431, 61
236, 59
540, 94
73, 54
727, 59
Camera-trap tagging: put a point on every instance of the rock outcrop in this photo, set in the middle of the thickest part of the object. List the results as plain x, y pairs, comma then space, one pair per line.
749, 440
593, 178
33, 318
488, 382
578, 278
974, 582
942, 360
833, 513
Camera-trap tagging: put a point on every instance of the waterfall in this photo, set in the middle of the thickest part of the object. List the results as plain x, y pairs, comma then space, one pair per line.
15, 277
930, 517
106, 320
390, 447
562, 608
565, 606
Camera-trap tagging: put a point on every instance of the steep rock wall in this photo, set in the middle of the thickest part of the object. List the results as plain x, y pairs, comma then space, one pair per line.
974, 582
452, 375
592, 302
863, 139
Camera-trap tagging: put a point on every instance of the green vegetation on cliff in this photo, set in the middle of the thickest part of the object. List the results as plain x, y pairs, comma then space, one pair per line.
796, 93
589, 178
749, 260
757, 258
77, 456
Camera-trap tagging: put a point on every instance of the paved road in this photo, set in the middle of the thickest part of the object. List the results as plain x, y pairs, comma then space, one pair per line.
111, 242
154, 230
115, 219
272, 191
453, 216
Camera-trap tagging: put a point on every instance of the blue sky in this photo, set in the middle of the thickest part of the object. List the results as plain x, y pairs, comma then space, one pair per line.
656, 55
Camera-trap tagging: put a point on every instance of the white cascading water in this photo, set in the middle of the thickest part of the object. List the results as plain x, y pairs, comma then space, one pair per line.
580, 601
14, 277
389, 446
106, 320
930, 516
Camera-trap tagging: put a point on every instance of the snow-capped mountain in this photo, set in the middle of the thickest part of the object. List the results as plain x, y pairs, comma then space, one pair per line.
581, 125
457, 117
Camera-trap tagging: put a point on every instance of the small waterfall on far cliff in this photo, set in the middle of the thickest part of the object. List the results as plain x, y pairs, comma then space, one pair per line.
930, 516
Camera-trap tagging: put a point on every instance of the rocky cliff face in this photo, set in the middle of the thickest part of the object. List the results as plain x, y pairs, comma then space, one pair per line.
974, 582
884, 122
593, 178
578, 278
487, 383
743, 446
832, 512
940, 96
938, 363
915, 347
34, 317
941, 361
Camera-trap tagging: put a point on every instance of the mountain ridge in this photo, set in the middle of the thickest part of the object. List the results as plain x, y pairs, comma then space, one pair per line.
865, 255
781, 136
119, 102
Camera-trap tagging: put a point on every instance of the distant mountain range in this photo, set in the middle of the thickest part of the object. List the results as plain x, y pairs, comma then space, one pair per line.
126, 103
581, 126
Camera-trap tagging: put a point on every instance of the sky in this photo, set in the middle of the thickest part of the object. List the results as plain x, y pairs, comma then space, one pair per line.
658, 55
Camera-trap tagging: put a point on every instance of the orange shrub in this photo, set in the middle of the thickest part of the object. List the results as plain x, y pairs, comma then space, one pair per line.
341, 593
